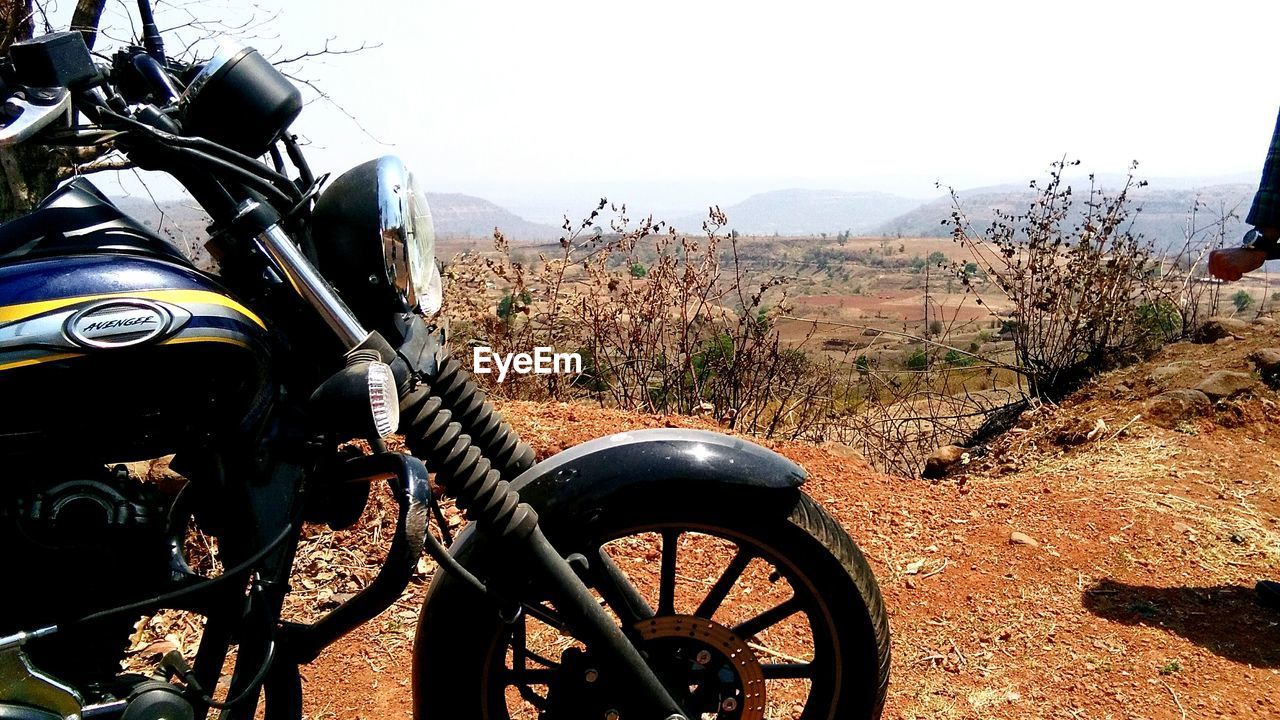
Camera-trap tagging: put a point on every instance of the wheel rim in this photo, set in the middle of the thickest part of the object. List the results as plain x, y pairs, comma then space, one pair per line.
774, 649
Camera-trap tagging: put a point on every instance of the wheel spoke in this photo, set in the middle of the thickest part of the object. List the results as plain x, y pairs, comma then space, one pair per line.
768, 618
618, 592
545, 614
725, 584
787, 671
667, 580
545, 662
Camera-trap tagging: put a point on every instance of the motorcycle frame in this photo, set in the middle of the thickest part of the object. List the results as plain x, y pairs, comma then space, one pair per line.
263, 478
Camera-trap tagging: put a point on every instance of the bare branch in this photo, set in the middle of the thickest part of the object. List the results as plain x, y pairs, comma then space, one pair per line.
327, 50
110, 161
322, 95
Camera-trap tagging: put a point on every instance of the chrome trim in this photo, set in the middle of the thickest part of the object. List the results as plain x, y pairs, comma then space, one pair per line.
308, 283
54, 330
140, 312
393, 205
30, 118
402, 214
225, 53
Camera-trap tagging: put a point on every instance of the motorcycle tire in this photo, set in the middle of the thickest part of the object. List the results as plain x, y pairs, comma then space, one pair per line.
463, 647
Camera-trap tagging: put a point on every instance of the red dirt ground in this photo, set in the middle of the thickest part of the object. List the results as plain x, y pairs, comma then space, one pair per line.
1137, 603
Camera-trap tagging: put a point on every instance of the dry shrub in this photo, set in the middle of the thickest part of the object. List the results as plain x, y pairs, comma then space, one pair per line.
664, 322
1195, 293
1086, 289
673, 323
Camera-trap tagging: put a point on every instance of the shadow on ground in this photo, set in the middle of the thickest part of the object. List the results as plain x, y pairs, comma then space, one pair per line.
1225, 620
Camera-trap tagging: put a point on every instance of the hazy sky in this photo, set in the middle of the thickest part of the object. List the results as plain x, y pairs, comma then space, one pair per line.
676, 104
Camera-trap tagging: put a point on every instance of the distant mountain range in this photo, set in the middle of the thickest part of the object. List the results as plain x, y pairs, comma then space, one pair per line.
792, 212
1163, 216
807, 212
455, 216
460, 216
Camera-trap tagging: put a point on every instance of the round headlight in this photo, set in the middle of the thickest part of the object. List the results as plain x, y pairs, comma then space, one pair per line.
424, 287
378, 199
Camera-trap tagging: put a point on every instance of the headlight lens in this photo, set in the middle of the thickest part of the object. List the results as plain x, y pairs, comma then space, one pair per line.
424, 287
408, 236
397, 272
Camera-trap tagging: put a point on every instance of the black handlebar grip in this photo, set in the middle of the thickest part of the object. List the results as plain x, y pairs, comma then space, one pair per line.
1265, 211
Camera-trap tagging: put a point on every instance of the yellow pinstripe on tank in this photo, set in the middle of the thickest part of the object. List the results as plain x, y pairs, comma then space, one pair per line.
9, 313
12, 313
38, 360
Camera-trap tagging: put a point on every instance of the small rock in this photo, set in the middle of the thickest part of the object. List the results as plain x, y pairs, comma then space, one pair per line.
1170, 374
1267, 361
944, 460
1017, 538
1171, 409
1264, 320
1215, 329
1225, 384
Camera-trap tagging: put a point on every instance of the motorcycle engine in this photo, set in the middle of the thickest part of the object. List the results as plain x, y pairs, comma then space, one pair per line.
73, 544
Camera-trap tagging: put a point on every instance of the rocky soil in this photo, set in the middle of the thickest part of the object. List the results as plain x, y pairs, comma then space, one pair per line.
1096, 562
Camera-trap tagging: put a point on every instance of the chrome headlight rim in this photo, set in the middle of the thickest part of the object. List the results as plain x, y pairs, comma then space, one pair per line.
408, 236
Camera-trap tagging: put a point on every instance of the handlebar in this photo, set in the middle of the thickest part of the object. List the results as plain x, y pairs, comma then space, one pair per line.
30, 116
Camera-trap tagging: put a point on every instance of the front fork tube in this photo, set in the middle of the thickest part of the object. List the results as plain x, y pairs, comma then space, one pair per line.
584, 615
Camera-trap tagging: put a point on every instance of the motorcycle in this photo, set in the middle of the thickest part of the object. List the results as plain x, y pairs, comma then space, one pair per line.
561, 599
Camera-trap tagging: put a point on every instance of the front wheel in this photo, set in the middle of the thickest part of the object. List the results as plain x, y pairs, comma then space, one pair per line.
748, 604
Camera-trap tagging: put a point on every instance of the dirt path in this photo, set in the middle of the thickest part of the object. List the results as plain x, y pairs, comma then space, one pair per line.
1135, 601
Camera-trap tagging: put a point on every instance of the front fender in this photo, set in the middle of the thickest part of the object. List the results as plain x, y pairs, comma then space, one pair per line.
575, 484
583, 477
577, 493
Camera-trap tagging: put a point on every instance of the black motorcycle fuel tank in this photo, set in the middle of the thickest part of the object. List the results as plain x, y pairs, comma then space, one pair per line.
112, 346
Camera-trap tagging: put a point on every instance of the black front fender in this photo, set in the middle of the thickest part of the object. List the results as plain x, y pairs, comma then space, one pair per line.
587, 475
574, 485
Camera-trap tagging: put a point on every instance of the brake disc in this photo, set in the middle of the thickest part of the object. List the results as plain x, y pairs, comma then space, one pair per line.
721, 671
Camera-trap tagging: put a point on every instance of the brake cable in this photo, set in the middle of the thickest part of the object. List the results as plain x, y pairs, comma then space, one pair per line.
203, 585
176, 662
209, 151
